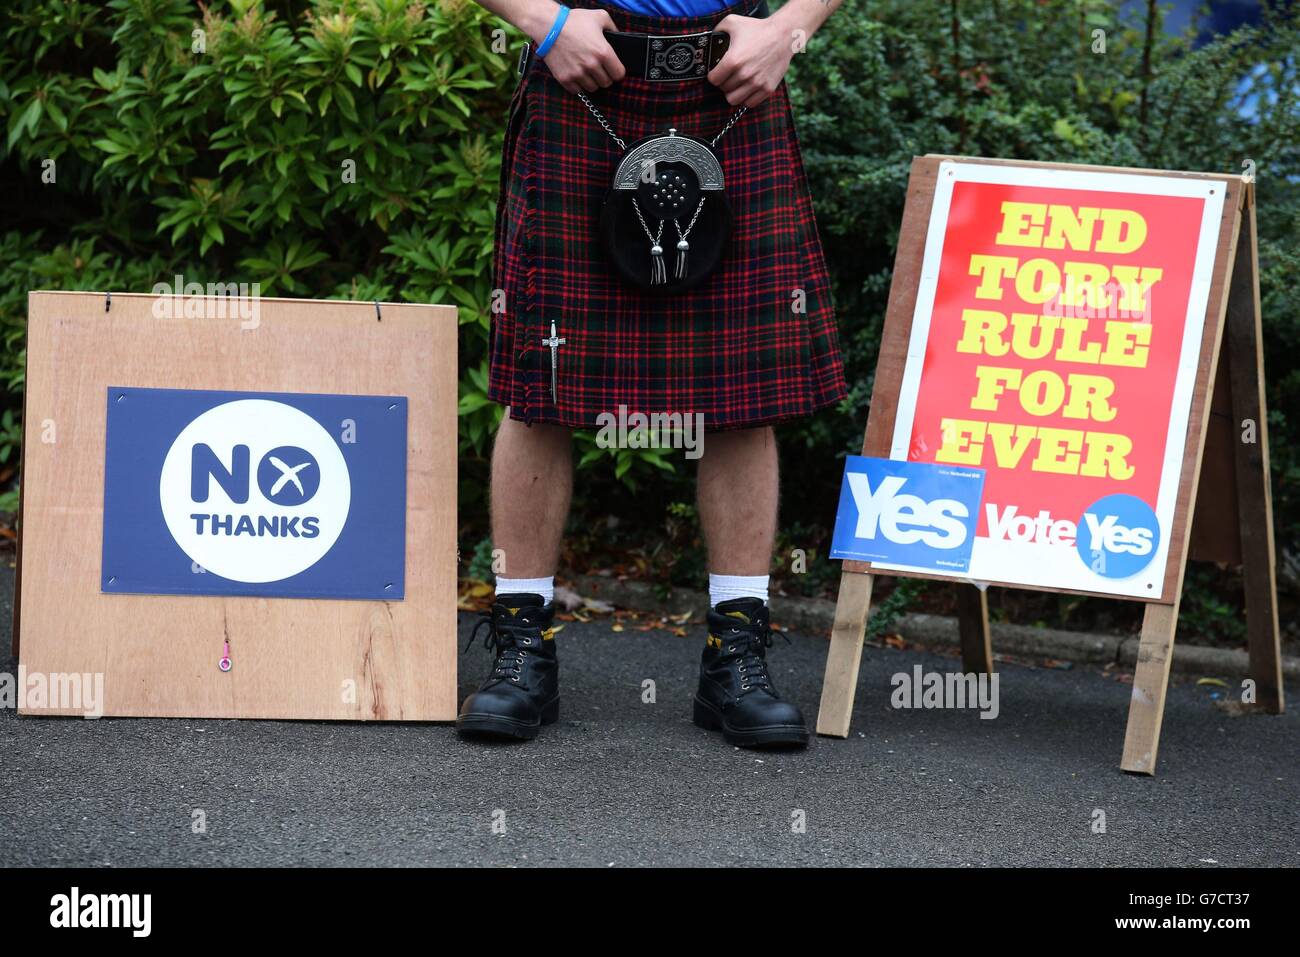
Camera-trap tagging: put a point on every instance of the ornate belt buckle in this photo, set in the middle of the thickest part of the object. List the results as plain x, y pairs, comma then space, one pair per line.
677, 58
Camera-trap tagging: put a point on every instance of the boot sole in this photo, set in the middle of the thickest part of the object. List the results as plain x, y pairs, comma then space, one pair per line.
498, 726
709, 718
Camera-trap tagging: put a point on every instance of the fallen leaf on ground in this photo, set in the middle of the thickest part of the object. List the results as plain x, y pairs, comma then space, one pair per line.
1236, 709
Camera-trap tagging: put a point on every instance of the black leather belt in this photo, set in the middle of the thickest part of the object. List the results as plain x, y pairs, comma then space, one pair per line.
688, 56
664, 59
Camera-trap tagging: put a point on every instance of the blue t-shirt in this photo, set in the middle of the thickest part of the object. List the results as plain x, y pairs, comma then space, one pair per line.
672, 8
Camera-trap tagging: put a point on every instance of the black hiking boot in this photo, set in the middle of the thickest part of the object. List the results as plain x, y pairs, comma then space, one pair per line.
736, 694
522, 693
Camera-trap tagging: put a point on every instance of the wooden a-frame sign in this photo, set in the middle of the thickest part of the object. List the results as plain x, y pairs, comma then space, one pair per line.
1218, 469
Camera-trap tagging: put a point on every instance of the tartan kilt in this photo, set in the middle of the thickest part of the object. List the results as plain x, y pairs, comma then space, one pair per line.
754, 344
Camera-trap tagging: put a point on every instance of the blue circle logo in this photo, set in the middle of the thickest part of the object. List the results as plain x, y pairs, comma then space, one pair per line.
288, 475
1118, 536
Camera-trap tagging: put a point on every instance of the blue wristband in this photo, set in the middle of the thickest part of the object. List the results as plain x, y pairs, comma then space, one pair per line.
556, 27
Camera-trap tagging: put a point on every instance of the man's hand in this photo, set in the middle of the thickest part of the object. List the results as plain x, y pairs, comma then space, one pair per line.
582, 58
755, 61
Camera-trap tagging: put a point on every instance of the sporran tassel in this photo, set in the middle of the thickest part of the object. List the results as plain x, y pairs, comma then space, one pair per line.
658, 274
683, 247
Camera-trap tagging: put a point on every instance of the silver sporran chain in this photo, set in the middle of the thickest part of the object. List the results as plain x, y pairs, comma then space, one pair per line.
658, 274
604, 123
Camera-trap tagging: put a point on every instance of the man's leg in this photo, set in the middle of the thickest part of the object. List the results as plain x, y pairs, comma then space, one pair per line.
737, 491
738, 488
532, 480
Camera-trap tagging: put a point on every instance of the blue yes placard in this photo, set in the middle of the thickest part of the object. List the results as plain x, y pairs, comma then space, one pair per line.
254, 493
917, 514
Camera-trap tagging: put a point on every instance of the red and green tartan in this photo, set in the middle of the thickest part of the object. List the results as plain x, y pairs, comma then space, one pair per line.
754, 344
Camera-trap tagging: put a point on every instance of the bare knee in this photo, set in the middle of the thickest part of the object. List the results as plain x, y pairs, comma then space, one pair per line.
537, 435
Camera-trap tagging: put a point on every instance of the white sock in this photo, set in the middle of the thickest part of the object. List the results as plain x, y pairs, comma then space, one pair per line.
536, 586
726, 587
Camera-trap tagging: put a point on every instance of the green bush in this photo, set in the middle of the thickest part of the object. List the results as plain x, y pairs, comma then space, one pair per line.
330, 150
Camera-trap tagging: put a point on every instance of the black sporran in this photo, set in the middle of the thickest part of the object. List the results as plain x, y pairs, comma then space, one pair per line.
665, 222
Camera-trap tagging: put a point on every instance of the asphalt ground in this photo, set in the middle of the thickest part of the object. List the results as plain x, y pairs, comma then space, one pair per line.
619, 781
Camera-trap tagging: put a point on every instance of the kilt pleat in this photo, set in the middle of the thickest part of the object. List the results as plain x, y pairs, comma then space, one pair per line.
754, 344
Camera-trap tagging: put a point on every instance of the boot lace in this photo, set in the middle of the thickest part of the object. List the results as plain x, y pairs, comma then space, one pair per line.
504, 640
750, 651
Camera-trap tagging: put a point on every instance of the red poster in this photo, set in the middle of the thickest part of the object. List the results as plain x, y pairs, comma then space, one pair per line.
1054, 345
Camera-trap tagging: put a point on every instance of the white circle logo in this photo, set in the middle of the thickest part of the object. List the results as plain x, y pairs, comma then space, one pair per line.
255, 491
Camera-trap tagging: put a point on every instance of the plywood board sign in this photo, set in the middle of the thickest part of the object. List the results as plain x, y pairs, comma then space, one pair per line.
229, 513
